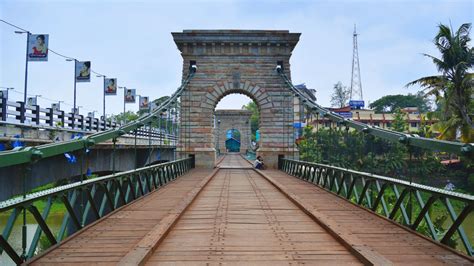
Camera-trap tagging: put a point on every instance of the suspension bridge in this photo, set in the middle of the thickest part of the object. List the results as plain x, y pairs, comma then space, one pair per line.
201, 207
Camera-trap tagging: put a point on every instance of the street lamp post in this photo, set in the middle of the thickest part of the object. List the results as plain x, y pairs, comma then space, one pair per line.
26, 62
103, 92
59, 105
124, 91
24, 232
36, 98
8, 89
75, 62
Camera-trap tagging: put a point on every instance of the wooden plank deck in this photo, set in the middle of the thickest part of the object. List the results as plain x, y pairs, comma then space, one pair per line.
241, 219
110, 239
240, 216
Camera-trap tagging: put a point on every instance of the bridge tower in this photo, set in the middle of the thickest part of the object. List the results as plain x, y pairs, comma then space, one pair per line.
236, 61
233, 119
356, 99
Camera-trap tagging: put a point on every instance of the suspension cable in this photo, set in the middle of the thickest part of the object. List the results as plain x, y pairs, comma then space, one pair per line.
408, 139
32, 154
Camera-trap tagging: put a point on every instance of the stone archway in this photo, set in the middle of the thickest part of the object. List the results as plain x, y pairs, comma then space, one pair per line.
236, 61
233, 119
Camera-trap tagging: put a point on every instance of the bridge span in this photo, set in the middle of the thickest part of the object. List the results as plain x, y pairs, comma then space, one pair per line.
237, 215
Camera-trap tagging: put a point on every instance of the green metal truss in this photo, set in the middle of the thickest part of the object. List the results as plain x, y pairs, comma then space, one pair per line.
33, 154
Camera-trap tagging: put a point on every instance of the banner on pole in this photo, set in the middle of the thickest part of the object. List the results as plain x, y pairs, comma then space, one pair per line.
55, 106
4, 94
38, 47
31, 101
144, 103
83, 71
130, 95
110, 86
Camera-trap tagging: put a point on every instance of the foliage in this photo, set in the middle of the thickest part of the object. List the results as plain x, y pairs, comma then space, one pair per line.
399, 122
309, 150
340, 96
124, 117
425, 130
470, 182
390, 103
454, 88
358, 151
254, 118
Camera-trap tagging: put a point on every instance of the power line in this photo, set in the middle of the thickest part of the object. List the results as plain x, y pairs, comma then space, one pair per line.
98, 73
67, 57
15, 26
54, 52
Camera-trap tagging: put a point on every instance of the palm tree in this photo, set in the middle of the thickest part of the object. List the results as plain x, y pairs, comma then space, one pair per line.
453, 89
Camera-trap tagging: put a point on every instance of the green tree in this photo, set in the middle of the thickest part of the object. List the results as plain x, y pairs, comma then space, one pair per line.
254, 118
340, 95
124, 117
399, 122
455, 86
389, 103
308, 146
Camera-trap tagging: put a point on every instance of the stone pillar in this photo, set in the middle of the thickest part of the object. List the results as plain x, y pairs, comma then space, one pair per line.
236, 61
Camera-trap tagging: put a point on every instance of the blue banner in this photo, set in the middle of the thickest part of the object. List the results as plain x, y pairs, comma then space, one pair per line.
345, 114
356, 103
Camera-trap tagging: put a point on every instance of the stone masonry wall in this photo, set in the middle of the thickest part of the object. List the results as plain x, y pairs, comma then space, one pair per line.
233, 61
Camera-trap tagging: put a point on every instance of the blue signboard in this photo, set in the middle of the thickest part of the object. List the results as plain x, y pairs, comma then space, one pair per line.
257, 135
345, 114
356, 103
299, 125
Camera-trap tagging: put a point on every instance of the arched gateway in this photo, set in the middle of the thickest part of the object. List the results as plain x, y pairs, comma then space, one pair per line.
236, 61
228, 120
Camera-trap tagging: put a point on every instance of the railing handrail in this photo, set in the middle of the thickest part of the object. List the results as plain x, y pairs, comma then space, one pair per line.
408, 139
33, 154
49, 114
343, 183
20, 200
93, 199
154, 131
441, 192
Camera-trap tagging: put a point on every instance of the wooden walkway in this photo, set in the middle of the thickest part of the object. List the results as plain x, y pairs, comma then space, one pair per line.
238, 216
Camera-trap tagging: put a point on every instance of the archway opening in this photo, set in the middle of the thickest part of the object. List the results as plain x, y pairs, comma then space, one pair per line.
236, 120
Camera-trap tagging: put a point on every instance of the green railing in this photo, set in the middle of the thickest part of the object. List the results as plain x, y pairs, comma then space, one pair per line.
465, 149
409, 204
83, 203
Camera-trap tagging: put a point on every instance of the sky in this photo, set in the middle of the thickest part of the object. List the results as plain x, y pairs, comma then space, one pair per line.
131, 41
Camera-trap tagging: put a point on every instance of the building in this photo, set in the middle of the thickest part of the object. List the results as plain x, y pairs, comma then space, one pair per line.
369, 117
